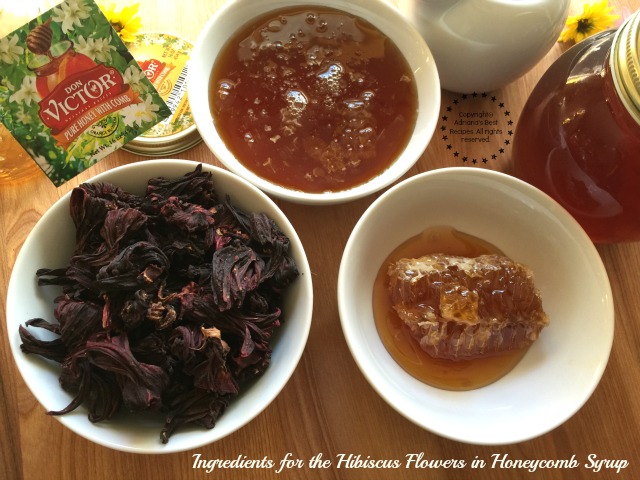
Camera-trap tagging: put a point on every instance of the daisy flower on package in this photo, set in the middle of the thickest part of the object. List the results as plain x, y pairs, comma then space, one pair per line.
70, 14
10, 51
595, 17
139, 113
126, 21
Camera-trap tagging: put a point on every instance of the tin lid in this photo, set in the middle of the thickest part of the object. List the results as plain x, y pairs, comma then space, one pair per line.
625, 64
164, 60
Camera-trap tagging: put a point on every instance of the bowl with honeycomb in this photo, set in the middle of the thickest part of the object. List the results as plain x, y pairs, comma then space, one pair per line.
466, 297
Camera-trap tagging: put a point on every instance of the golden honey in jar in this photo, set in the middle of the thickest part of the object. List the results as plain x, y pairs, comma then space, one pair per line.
578, 138
313, 99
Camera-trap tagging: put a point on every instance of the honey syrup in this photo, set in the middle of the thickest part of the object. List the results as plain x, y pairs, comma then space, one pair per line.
313, 99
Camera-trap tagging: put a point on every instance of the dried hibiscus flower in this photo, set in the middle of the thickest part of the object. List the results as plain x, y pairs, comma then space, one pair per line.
168, 302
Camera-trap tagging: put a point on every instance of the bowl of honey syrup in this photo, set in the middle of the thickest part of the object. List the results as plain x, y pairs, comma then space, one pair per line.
314, 102
476, 306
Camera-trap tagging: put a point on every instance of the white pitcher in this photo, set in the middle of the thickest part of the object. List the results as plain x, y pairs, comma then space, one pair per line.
482, 45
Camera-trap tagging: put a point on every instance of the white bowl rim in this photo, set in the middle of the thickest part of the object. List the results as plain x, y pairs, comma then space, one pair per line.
391, 398
407, 159
205, 436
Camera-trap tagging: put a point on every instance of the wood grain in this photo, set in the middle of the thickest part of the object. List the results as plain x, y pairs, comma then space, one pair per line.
327, 407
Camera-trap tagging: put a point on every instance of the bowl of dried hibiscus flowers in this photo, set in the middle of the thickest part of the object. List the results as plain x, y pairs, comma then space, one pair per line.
160, 306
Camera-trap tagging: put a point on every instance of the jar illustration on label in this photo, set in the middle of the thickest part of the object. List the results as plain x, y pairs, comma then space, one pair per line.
53, 63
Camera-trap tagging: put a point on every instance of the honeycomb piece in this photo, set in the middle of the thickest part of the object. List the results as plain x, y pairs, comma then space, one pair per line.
462, 308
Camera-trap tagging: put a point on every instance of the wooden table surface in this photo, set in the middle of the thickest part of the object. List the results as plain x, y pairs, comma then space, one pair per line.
327, 407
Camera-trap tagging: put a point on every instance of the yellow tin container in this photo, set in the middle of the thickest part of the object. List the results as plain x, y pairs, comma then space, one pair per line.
164, 60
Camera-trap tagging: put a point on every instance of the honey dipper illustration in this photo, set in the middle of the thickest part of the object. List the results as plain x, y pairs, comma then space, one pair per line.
40, 38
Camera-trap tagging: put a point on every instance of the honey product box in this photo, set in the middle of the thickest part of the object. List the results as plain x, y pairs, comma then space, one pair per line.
71, 92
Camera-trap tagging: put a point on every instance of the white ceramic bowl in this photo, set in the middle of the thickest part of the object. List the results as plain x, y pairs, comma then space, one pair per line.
50, 245
233, 15
560, 370
497, 41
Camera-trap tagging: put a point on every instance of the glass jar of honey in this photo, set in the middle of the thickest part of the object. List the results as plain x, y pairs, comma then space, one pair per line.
578, 137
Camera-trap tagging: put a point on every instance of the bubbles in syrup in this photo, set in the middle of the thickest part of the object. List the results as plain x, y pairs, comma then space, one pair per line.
322, 26
316, 74
368, 95
331, 79
225, 90
296, 101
